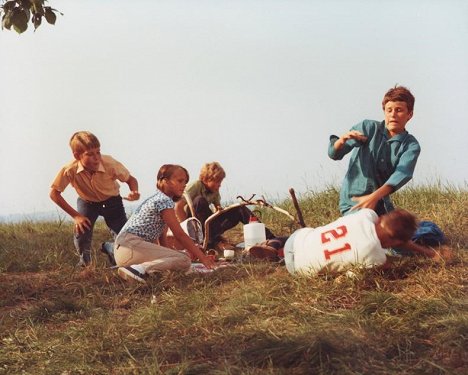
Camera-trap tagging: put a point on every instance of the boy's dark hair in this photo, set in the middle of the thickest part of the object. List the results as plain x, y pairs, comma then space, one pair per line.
400, 224
399, 94
83, 141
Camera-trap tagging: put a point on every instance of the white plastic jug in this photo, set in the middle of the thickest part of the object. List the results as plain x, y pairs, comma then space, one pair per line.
254, 233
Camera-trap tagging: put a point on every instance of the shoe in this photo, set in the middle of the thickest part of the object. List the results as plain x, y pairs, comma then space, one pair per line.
263, 251
130, 273
108, 249
223, 244
85, 260
81, 264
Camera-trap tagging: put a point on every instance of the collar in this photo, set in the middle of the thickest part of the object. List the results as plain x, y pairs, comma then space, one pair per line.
396, 138
205, 190
81, 167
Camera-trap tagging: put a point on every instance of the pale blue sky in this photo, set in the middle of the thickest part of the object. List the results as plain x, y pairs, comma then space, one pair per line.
256, 85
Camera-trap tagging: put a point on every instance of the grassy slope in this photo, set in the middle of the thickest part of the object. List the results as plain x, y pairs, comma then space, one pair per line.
251, 319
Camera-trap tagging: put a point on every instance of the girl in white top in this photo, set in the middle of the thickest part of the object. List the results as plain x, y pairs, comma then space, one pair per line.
141, 247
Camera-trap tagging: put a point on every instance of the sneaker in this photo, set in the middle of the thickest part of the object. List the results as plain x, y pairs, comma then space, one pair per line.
265, 252
223, 244
85, 260
81, 264
130, 273
108, 249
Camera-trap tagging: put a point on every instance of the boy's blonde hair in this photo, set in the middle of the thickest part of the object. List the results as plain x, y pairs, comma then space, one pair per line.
83, 141
399, 94
212, 172
400, 224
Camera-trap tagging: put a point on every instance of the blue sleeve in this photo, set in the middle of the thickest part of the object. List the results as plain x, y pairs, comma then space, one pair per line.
163, 204
405, 168
348, 146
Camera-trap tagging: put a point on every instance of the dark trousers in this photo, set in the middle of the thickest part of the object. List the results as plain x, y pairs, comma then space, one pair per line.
113, 212
225, 221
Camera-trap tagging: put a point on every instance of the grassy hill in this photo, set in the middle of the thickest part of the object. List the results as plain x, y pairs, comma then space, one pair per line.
250, 319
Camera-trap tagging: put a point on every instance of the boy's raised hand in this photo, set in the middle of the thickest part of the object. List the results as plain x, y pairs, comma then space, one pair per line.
132, 196
354, 134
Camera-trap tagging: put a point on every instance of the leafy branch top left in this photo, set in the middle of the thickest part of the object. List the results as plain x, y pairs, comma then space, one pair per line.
17, 14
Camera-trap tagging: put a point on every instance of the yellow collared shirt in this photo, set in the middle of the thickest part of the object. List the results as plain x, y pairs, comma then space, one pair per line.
93, 187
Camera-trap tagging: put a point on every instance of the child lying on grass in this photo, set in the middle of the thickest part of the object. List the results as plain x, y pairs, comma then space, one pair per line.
359, 239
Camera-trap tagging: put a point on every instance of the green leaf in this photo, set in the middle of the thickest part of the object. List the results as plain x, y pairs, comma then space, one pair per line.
50, 15
6, 21
9, 5
25, 3
19, 20
37, 19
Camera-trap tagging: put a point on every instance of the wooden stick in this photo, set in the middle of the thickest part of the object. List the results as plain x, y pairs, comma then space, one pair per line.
298, 209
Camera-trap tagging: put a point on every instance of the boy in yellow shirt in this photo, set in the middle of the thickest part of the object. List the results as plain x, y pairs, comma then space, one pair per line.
94, 177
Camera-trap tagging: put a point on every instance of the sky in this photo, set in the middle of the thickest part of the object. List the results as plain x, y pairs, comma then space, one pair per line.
258, 86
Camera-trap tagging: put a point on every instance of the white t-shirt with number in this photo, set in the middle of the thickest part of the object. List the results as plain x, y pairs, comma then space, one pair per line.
350, 240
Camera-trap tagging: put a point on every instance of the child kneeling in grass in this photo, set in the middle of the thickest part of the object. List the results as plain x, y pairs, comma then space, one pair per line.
141, 247
204, 193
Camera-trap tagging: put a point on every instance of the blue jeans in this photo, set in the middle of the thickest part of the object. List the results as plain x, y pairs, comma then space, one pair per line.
111, 209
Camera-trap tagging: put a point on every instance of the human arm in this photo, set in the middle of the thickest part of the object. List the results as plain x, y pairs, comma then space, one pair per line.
404, 169
180, 209
340, 146
444, 253
371, 200
398, 173
352, 134
81, 222
132, 183
170, 219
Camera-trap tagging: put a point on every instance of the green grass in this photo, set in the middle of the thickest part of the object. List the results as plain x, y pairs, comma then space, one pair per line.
250, 319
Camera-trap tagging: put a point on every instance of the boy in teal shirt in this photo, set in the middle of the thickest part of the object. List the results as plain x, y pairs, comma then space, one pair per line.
383, 157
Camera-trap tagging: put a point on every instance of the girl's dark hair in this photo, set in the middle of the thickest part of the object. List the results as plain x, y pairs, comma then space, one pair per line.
166, 172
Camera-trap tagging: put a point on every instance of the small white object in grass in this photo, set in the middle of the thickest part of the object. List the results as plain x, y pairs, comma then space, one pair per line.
153, 299
229, 254
350, 274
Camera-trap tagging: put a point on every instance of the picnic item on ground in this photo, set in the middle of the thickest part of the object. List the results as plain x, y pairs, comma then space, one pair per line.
254, 232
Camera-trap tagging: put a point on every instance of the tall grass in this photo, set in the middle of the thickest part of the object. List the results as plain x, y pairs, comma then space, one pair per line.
253, 318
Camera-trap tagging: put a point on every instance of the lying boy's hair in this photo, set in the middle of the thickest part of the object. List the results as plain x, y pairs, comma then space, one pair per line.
212, 172
83, 141
399, 94
400, 224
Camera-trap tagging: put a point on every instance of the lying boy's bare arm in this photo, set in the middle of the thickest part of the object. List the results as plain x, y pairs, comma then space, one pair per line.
443, 253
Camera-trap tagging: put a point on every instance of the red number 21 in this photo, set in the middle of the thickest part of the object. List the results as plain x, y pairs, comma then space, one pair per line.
329, 235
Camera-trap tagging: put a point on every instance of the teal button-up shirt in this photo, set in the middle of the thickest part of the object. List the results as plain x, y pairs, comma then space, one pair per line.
379, 161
